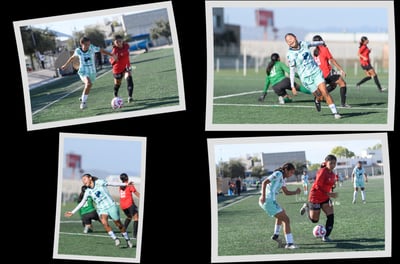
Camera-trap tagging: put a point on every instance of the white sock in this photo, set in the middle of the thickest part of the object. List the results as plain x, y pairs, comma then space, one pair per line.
363, 195
112, 235
125, 235
84, 97
333, 108
277, 229
289, 238
354, 195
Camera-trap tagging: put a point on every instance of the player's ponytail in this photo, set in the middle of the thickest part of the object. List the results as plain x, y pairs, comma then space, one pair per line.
274, 58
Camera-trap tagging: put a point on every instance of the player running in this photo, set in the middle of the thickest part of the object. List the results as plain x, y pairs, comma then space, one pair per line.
121, 67
300, 58
127, 203
270, 188
277, 79
105, 205
87, 66
324, 59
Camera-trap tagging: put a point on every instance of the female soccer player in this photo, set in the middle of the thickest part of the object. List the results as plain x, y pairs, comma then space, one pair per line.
87, 65
127, 203
105, 205
305, 181
276, 78
270, 188
324, 59
359, 178
121, 66
321, 194
363, 54
299, 57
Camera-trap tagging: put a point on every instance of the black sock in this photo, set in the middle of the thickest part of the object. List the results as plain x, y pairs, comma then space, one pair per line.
343, 91
135, 228
329, 224
377, 82
126, 224
364, 80
116, 88
129, 80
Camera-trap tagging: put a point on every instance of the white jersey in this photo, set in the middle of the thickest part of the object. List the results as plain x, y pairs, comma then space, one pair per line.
87, 62
276, 183
303, 60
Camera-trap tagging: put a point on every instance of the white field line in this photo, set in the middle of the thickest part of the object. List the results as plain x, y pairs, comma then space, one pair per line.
226, 206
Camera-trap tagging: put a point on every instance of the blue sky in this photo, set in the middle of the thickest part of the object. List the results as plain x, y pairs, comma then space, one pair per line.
314, 18
115, 154
315, 149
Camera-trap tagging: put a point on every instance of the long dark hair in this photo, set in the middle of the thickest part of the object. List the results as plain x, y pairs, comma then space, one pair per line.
316, 50
274, 58
94, 178
83, 189
363, 39
330, 157
124, 178
285, 166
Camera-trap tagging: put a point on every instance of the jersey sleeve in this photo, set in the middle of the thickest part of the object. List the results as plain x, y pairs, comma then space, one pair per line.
95, 48
79, 206
267, 83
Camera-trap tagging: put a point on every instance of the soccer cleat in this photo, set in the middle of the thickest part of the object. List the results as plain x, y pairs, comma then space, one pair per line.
276, 238
83, 105
346, 106
317, 104
364, 202
129, 244
353, 202
337, 116
117, 242
87, 230
303, 208
291, 246
326, 239
281, 100
382, 89
130, 99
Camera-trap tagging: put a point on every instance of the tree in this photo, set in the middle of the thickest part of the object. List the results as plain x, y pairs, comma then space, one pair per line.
161, 29
342, 152
299, 168
258, 171
236, 168
375, 147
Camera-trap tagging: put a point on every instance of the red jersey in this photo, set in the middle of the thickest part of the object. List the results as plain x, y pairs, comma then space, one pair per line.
364, 51
123, 58
323, 60
323, 184
125, 196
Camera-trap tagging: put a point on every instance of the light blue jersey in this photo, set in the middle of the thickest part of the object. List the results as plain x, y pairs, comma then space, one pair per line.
271, 207
308, 70
358, 174
304, 179
87, 62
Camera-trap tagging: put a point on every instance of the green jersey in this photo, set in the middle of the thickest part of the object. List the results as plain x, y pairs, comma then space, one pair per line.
88, 207
276, 75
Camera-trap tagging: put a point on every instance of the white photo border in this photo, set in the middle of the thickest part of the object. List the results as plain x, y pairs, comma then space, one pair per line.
61, 161
210, 126
113, 116
212, 144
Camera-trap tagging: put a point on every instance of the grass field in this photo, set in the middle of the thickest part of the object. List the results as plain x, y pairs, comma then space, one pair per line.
155, 86
235, 101
72, 240
245, 229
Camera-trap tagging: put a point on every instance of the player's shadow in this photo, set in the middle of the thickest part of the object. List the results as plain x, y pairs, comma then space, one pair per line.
354, 244
369, 104
346, 115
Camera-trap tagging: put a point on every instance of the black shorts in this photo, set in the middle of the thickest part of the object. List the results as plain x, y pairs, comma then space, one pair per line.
366, 67
332, 78
317, 206
130, 211
121, 74
281, 87
87, 218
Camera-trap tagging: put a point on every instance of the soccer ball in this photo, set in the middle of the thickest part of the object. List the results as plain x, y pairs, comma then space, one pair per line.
319, 231
117, 102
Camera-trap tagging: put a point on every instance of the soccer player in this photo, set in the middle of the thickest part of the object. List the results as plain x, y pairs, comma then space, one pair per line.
270, 188
277, 79
121, 66
320, 196
87, 65
305, 181
363, 54
87, 212
127, 203
325, 60
359, 178
300, 58
105, 205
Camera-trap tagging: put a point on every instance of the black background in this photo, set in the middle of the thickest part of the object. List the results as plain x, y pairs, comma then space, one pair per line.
177, 217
